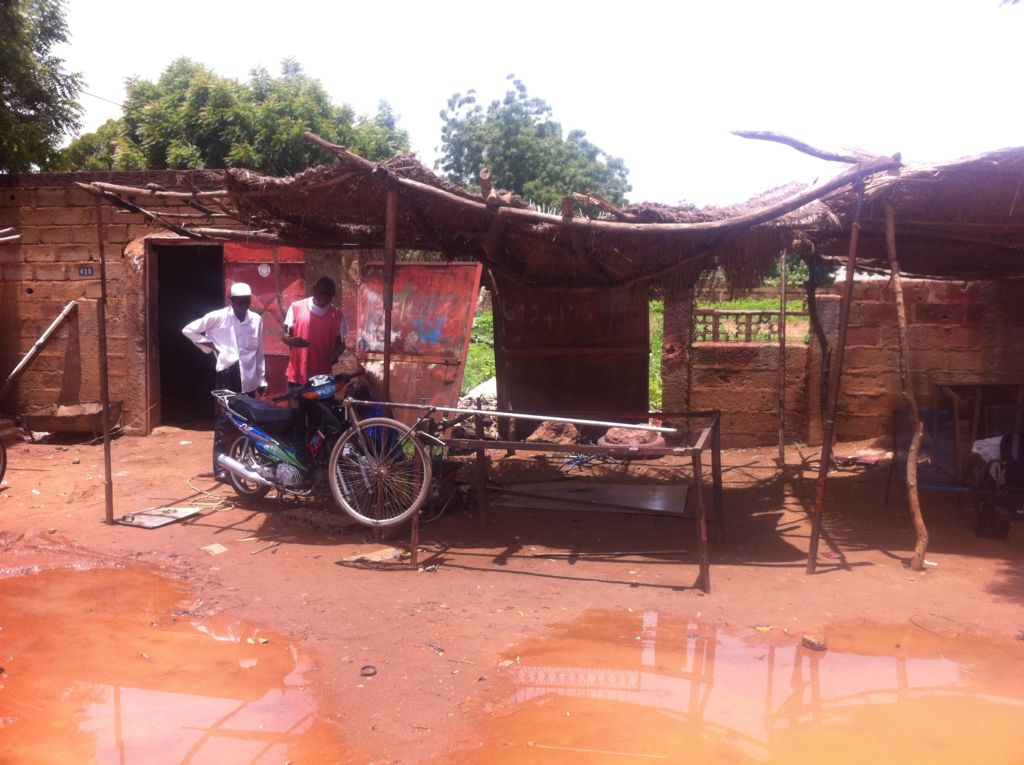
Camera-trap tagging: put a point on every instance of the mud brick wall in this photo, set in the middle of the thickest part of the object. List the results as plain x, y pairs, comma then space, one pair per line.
741, 380
56, 261
960, 333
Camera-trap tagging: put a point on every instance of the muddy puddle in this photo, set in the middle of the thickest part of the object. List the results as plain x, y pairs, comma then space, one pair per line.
120, 666
643, 687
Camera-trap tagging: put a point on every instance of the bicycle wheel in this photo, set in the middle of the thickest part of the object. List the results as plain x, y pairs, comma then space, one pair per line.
243, 451
379, 473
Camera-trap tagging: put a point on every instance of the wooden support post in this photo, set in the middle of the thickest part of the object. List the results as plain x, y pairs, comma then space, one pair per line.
101, 331
704, 577
390, 255
782, 359
481, 466
835, 380
913, 500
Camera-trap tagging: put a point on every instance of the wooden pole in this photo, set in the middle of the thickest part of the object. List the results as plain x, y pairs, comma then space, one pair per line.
782, 359
390, 254
36, 347
101, 331
835, 379
913, 499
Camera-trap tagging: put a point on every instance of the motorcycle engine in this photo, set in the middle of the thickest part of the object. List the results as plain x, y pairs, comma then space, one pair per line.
288, 476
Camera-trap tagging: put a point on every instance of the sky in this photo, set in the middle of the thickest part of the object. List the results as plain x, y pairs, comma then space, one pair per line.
661, 85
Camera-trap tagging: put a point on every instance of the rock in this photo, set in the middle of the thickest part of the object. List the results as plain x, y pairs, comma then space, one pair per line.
555, 433
814, 642
630, 437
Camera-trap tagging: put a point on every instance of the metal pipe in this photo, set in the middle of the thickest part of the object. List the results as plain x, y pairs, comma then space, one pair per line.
236, 467
517, 415
835, 379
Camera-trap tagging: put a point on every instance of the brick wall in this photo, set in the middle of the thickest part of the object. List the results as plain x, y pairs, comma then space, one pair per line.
44, 270
960, 333
57, 261
741, 379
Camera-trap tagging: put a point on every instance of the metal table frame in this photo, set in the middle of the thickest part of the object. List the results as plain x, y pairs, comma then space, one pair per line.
709, 439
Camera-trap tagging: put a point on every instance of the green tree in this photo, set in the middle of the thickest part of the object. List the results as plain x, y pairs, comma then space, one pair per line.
38, 98
193, 118
524, 148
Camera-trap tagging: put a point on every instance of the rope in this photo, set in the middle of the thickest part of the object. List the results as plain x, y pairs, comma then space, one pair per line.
212, 501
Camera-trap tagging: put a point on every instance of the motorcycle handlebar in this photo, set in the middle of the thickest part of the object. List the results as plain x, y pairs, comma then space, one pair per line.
306, 388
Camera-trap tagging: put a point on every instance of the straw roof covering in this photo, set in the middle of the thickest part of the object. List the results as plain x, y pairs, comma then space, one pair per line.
962, 219
591, 245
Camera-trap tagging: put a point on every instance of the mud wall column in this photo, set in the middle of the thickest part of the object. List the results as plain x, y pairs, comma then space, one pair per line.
676, 349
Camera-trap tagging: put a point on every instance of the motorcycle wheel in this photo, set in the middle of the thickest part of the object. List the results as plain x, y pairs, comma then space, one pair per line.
243, 451
379, 473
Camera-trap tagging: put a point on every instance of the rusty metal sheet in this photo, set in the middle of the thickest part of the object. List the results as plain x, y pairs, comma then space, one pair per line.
570, 353
431, 322
277, 276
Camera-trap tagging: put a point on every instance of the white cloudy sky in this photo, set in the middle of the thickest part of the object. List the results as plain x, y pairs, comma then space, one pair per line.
658, 84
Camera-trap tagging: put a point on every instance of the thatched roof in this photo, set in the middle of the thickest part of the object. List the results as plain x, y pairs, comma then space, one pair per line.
591, 244
955, 220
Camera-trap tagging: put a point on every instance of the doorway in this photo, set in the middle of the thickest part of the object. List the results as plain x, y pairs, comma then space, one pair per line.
189, 282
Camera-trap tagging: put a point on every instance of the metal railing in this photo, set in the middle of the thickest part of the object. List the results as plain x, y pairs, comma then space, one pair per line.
718, 326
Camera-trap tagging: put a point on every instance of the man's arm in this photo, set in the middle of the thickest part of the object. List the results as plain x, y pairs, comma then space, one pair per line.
196, 332
292, 341
261, 366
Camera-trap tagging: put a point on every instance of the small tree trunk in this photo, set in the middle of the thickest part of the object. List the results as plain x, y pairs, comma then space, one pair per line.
913, 500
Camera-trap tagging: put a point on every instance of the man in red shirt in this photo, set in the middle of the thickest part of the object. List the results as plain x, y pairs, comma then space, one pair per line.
314, 331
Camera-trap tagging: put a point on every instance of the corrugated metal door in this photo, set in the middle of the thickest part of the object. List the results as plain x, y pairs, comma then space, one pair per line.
570, 352
277, 276
431, 322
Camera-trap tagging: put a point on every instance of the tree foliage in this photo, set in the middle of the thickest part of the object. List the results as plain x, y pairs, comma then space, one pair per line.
524, 148
192, 118
38, 98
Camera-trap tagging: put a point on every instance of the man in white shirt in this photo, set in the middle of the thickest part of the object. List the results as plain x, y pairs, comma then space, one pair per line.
234, 335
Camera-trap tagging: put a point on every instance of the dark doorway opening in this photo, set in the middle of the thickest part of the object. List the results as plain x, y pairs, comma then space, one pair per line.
189, 284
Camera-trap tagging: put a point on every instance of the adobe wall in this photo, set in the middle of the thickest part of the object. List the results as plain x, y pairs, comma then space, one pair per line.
741, 380
57, 261
960, 333
50, 266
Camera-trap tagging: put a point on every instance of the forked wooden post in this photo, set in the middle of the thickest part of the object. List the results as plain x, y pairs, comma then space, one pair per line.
913, 499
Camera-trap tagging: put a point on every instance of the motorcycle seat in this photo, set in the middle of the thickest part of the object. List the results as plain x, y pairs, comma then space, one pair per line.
262, 412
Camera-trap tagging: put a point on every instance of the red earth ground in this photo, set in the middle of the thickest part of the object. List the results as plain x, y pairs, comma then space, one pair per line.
510, 579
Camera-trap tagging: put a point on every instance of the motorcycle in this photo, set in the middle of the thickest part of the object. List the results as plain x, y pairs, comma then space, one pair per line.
374, 468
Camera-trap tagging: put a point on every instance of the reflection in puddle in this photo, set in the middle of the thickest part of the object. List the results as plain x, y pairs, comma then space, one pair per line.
108, 666
642, 688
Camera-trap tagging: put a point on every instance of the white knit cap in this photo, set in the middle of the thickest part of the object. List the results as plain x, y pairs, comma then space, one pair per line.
241, 289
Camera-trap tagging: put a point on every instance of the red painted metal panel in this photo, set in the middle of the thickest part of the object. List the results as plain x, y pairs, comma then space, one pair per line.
277, 276
563, 353
430, 325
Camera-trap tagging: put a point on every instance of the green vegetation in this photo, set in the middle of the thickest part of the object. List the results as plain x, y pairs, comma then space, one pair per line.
516, 139
656, 322
37, 96
480, 358
752, 304
192, 118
